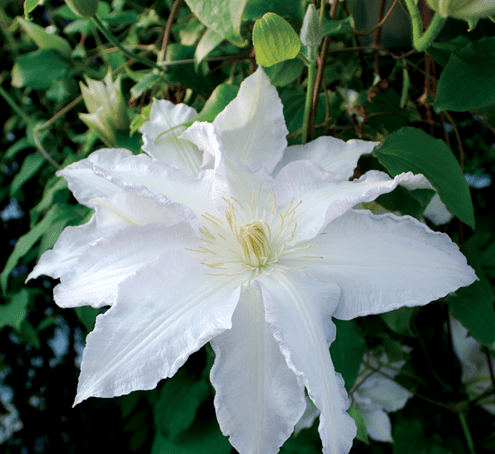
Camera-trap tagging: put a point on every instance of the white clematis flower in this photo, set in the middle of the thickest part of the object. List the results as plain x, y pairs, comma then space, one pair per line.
253, 258
376, 394
476, 374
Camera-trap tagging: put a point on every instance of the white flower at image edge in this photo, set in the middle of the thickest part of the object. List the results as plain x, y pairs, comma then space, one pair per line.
374, 393
254, 255
476, 374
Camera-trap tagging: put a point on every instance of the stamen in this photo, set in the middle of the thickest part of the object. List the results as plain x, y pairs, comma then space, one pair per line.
303, 248
214, 219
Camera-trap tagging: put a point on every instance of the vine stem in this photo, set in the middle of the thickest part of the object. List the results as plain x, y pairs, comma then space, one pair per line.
309, 101
431, 32
467, 433
422, 40
101, 27
166, 31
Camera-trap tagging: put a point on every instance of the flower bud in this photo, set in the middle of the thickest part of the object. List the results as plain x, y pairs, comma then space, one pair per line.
106, 106
469, 10
83, 8
311, 31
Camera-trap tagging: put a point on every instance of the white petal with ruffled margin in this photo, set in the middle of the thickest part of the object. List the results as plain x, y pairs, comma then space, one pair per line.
252, 127
59, 262
167, 146
115, 257
184, 309
258, 398
139, 173
299, 310
81, 178
397, 261
333, 154
324, 196
232, 178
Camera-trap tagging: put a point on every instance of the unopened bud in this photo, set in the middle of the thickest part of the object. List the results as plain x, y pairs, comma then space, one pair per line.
311, 31
106, 106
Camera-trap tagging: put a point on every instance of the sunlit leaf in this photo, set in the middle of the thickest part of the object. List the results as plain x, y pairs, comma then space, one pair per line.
274, 40
221, 16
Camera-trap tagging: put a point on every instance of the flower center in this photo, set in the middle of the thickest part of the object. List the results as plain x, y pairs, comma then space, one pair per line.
251, 239
254, 242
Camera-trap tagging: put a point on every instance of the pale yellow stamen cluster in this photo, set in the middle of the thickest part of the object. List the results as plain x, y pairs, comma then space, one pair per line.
252, 239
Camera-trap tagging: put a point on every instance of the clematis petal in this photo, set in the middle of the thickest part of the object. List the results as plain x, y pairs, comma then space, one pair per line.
141, 173
398, 261
324, 196
377, 424
161, 136
83, 182
203, 135
383, 391
131, 208
299, 310
258, 398
467, 349
116, 256
252, 127
59, 262
231, 177
332, 154
184, 309
308, 418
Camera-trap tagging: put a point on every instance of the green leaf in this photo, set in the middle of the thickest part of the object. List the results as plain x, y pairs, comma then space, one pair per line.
408, 202
347, 350
146, 82
467, 81
26, 242
409, 438
293, 99
29, 6
411, 149
185, 73
207, 43
335, 26
14, 312
441, 51
274, 40
399, 320
29, 335
285, 72
30, 167
87, 315
307, 441
222, 16
219, 99
45, 40
362, 432
51, 194
204, 437
38, 69
294, 10
20, 145
179, 401
473, 305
